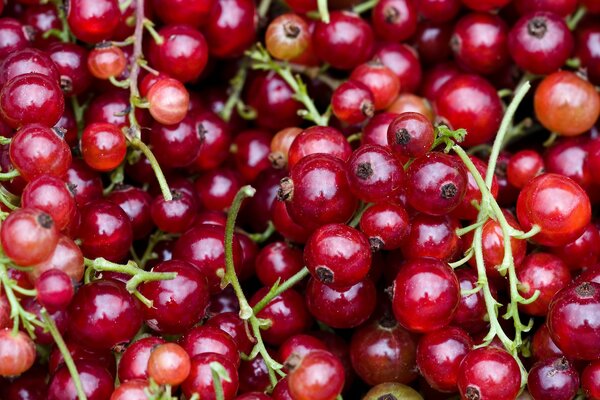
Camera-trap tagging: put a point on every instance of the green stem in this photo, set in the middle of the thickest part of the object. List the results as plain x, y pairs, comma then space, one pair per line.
160, 177
365, 6
230, 275
260, 237
323, 10
574, 19
263, 61
236, 87
7, 176
263, 8
520, 93
218, 386
277, 289
62, 347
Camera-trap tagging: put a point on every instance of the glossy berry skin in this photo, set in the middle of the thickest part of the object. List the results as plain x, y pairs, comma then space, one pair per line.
471, 312
318, 140
374, 173
582, 252
96, 381
106, 61
394, 20
103, 146
134, 361
14, 37
200, 379
215, 139
217, 188
31, 98
430, 285
176, 215
439, 355
178, 303
563, 95
554, 378
386, 225
542, 345
375, 130
136, 204
489, 373
352, 102
298, 346
383, 83
558, 205
540, 42
54, 290
382, 351
319, 375
470, 102
169, 364
573, 158
203, 247
287, 312
436, 183
338, 255
66, 257
169, 101
17, 353
285, 225
561, 7
131, 390
341, 308
278, 260
590, 380
410, 135
486, 5
183, 54
71, 61
432, 236
93, 21
588, 41
28, 236
287, 36
439, 10
404, 61
190, 12
37, 150
479, 43
209, 339
571, 322
546, 273
345, 42
320, 192
103, 314
523, 166
231, 27
51, 195
28, 61
105, 231
252, 153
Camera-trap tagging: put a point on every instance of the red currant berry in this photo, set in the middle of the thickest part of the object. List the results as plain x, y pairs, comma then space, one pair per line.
51, 195
554, 378
133, 364
338, 255
71, 61
231, 27
103, 314
169, 101
571, 321
17, 353
394, 20
66, 257
106, 61
278, 260
557, 205
386, 225
590, 380
54, 290
352, 102
383, 351
96, 382
439, 355
410, 135
437, 183
179, 303
175, 215
287, 36
341, 307
169, 364
208, 339
200, 379
383, 83
318, 140
523, 166
489, 373
93, 20
319, 375
28, 61
432, 286
29, 236
31, 98
103, 146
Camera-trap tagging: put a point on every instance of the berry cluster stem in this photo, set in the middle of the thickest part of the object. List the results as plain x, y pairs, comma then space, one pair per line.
489, 208
248, 313
138, 275
263, 61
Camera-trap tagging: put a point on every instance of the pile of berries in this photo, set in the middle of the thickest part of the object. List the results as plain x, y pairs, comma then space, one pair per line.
299, 199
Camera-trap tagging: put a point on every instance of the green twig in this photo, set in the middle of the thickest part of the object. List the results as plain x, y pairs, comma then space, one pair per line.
277, 289
365, 6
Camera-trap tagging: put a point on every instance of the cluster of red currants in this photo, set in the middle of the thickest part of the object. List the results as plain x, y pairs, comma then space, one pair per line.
299, 200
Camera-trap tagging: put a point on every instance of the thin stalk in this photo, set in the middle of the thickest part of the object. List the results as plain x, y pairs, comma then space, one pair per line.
236, 85
277, 289
62, 347
365, 6
160, 177
323, 10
